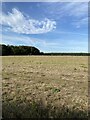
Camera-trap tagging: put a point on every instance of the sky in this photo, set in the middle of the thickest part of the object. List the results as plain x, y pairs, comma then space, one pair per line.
51, 27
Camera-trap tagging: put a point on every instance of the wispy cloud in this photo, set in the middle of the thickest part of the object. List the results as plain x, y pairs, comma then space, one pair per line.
26, 40
19, 23
78, 11
79, 23
71, 33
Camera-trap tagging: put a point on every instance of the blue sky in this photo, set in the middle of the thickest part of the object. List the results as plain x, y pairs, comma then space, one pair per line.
51, 27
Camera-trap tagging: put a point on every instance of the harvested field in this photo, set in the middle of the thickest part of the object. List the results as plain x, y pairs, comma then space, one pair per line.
45, 86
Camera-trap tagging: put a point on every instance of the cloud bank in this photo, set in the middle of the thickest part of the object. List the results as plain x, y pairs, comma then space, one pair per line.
19, 23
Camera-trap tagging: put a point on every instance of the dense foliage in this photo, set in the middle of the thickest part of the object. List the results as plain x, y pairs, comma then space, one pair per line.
18, 50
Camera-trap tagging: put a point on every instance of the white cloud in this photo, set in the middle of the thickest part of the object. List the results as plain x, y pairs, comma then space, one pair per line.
18, 23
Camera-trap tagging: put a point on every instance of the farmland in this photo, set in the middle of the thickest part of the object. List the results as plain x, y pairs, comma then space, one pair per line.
45, 86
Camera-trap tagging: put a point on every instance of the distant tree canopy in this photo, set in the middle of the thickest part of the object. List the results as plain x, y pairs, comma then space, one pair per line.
68, 54
18, 50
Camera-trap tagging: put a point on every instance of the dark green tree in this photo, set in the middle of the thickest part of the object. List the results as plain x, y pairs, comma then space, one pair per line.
18, 50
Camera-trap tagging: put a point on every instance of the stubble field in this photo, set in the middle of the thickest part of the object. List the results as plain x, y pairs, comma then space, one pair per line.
45, 86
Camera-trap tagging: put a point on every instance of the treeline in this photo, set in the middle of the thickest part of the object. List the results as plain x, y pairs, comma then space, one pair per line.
18, 50
68, 54
30, 50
